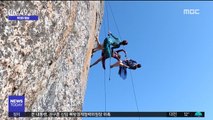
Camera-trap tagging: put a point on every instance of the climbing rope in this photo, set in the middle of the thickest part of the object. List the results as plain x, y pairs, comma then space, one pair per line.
110, 69
136, 102
107, 16
115, 21
108, 25
108, 6
133, 87
117, 27
105, 90
105, 29
105, 100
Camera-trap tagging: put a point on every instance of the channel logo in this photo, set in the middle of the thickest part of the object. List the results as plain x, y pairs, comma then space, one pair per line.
16, 106
191, 11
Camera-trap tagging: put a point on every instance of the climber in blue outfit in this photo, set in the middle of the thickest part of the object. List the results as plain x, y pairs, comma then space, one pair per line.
124, 64
110, 43
105, 56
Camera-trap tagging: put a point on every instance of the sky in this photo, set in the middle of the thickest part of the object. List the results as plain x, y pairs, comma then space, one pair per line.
176, 53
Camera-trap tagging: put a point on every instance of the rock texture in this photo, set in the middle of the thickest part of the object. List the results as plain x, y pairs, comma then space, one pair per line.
47, 60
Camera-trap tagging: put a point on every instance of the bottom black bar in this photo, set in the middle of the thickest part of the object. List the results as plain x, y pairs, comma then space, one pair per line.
106, 114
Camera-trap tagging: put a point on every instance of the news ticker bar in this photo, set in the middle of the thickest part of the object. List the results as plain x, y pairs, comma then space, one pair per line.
32, 17
107, 114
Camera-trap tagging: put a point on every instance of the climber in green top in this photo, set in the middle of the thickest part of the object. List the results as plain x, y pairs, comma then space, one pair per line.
111, 40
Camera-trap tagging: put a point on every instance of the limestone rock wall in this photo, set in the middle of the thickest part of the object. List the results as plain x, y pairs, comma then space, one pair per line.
47, 60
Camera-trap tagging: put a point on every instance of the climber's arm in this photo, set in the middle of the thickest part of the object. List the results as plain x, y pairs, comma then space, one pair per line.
113, 36
121, 50
114, 47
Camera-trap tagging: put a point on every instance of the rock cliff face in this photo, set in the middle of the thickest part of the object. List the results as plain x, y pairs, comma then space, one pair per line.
47, 60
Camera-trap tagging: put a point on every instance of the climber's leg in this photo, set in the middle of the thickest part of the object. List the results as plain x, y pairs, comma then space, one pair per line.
103, 62
116, 64
96, 62
99, 46
119, 63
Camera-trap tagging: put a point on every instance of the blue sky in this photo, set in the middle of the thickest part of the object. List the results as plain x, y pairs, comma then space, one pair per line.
175, 50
